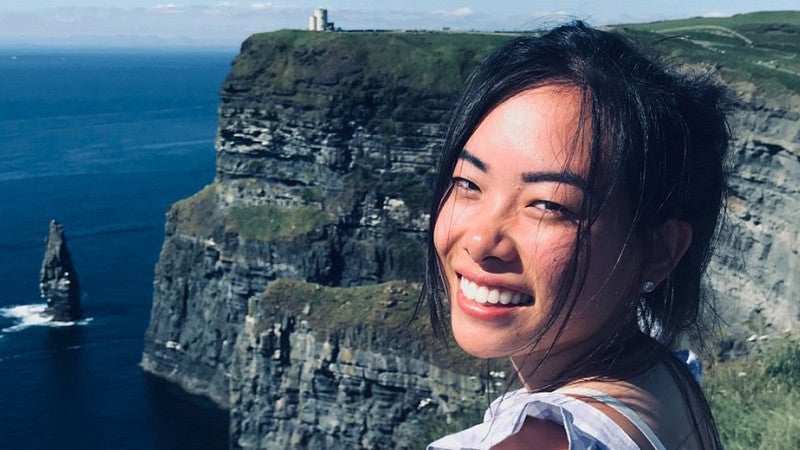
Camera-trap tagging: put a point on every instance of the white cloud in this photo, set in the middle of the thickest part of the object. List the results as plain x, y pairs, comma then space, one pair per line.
167, 8
460, 12
260, 6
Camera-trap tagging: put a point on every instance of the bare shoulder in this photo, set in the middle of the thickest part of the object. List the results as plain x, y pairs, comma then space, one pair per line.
668, 406
536, 433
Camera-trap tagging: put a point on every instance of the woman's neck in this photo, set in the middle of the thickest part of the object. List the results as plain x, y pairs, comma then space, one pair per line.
617, 357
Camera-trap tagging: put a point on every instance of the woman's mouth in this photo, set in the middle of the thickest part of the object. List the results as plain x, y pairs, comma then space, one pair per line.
492, 295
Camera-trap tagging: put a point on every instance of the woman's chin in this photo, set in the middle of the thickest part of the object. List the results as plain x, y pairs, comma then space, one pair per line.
477, 345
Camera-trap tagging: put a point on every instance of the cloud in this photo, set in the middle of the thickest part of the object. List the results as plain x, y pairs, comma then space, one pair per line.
460, 12
167, 8
260, 6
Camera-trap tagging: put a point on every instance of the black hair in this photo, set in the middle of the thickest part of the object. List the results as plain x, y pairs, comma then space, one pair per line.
656, 135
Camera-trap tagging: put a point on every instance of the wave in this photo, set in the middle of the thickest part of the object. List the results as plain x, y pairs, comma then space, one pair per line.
34, 315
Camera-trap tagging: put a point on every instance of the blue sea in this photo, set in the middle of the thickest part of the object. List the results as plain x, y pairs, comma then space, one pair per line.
103, 142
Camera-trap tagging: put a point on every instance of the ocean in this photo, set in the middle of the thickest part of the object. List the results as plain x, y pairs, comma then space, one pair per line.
103, 142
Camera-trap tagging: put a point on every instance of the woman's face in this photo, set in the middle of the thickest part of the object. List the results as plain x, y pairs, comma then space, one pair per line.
505, 233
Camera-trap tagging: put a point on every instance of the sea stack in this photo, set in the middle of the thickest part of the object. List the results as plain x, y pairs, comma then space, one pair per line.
59, 281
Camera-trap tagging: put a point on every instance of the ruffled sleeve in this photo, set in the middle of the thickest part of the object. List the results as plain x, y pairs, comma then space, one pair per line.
586, 427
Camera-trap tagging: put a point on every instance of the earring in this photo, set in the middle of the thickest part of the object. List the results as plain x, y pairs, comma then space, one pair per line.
648, 287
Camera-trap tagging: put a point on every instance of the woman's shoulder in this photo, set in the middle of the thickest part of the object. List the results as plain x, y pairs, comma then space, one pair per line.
661, 405
652, 410
518, 412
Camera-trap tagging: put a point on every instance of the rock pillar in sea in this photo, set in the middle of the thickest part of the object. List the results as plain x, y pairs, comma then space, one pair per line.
59, 281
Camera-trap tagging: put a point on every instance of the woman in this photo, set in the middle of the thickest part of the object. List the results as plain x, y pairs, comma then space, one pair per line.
578, 194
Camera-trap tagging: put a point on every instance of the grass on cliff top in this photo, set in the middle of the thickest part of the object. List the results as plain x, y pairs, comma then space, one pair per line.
762, 48
387, 308
755, 400
428, 61
274, 222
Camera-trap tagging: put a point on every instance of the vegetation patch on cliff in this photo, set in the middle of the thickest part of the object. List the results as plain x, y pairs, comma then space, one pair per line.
388, 308
273, 222
758, 47
373, 79
197, 215
754, 400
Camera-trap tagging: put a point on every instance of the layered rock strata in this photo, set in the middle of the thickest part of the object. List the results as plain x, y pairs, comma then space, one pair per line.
343, 368
324, 162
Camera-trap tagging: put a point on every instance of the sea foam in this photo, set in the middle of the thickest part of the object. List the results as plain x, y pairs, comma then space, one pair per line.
33, 315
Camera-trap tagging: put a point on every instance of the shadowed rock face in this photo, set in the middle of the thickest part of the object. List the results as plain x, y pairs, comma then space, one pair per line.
58, 280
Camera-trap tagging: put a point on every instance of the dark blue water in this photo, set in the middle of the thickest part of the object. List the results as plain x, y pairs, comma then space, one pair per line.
104, 143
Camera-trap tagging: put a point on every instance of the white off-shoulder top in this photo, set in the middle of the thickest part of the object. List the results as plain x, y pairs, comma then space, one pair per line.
586, 426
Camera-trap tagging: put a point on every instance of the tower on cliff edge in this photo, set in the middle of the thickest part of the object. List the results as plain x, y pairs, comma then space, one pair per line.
59, 281
319, 21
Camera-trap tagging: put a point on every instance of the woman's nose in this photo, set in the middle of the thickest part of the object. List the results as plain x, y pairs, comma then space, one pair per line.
488, 241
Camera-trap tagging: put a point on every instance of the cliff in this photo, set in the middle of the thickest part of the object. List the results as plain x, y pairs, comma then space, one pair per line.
324, 157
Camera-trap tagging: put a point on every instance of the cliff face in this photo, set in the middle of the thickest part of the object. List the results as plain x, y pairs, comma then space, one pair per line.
324, 162
342, 368
754, 272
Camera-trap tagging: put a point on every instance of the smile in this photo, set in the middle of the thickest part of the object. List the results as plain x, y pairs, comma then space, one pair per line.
493, 296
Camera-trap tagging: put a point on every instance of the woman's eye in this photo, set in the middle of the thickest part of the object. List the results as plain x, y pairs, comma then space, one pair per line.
552, 208
463, 184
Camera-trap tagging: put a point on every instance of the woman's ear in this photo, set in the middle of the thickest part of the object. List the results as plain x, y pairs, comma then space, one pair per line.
668, 245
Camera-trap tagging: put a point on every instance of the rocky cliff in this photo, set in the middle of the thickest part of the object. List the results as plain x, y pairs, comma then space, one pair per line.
320, 367
324, 158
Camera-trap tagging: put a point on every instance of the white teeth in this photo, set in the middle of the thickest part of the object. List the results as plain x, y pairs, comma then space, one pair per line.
468, 288
483, 294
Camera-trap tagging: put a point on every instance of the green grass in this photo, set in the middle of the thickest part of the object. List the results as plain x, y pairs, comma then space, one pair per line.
761, 48
197, 215
756, 401
427, 61
374, 79
201, 216
273, 222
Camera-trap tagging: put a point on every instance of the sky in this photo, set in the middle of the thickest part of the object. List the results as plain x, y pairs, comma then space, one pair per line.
225, 24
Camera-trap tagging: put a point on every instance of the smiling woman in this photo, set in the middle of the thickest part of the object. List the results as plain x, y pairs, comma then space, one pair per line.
577, 198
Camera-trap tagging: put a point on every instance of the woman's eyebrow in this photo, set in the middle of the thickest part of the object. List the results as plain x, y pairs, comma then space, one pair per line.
564, 177
472, 159
555, 177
